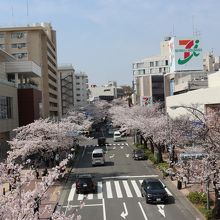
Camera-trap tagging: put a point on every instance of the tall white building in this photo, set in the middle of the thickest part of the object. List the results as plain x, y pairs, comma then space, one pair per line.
81, 94
73, 88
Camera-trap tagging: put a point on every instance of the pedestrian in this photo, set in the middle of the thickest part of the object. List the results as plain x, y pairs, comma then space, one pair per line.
185, 180
37, 174
45, 172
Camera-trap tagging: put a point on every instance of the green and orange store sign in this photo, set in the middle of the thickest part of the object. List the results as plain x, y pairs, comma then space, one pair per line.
185, 54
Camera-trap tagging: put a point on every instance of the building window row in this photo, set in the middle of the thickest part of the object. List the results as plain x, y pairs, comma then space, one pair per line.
20, 55
18, 45
2, 46
52, 87
52, 78
5, 107
18, 35
51, 53
52, 96
148, 64
52, 104
2, 35
51, 61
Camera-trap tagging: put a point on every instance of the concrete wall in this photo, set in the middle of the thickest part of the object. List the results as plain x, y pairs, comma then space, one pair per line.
200, 97
9, 124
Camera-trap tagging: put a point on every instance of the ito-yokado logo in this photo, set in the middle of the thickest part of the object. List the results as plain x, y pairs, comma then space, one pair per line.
191, 50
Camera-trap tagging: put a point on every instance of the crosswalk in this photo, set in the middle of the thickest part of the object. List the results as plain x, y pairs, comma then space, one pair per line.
110, 189
108, 145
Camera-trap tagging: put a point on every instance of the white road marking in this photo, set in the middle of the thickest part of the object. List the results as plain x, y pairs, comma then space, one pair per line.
161, 210
122, 147
142, 210
90, 196
167, 190
141, 181
80, 197
125, 212
112, 156
127, 189
83, 151
109, 190
100, 193
118, 189
72, 192
127, 177
104, 211
136, 188
88, 205
127, 155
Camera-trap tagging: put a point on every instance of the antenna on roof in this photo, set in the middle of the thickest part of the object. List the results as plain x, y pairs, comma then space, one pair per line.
27, 7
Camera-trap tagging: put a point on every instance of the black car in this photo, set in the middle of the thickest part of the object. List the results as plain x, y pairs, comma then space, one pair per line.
85, 184
101, 141
138, 154
154, 191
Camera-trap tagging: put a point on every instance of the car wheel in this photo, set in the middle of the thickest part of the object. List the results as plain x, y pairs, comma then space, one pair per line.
146, 199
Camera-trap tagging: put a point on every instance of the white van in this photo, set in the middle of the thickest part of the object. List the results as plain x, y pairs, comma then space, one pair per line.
98, 157
117, 136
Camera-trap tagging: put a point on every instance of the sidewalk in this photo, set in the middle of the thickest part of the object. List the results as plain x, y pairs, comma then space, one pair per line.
172, 184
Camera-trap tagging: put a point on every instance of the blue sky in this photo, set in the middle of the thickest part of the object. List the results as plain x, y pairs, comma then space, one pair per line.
103, 37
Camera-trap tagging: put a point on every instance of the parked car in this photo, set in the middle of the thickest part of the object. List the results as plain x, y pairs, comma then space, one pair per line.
154, 191
85, 184
138, 154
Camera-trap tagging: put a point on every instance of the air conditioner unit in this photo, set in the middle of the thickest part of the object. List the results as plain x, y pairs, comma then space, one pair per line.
19, 46
20, 56
19, 35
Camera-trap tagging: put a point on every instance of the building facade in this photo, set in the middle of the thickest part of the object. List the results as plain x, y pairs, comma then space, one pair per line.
37, 44
201, 98
81, 94
106, 92
73, 88
148, 76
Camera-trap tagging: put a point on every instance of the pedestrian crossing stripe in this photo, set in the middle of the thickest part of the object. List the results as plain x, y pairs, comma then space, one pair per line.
110, 144
111, 189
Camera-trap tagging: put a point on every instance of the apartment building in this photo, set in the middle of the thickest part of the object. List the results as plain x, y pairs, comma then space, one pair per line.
148, 76
73, 88
81, 95
66, 78
35, 44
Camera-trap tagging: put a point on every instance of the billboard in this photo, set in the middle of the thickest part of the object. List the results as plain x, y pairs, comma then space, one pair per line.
185, 54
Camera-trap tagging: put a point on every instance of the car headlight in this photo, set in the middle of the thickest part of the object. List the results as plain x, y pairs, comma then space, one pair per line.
149, 195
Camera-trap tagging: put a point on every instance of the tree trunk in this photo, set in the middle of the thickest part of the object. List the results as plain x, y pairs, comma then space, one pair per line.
216, 210
158, 153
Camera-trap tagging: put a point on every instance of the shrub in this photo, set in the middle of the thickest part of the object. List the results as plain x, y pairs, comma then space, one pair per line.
163, 166
197, 197
207, 213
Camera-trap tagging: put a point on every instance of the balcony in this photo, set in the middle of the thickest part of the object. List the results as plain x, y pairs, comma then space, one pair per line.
25, 68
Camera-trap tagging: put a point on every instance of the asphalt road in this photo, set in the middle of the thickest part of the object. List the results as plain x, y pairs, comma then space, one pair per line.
118, 196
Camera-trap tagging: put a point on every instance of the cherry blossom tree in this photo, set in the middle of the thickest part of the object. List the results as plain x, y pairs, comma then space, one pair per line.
40, 139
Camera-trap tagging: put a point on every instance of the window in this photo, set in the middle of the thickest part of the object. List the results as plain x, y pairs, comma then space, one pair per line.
151, 64
5, 107
20, 45
77, 94
77, 88
77, 83
17, 35
2, 46
166, 62
78, 100
2, 35
19, 55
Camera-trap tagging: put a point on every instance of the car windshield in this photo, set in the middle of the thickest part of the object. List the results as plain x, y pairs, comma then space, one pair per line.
95, 155
154, 185
85, 180
139, 152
